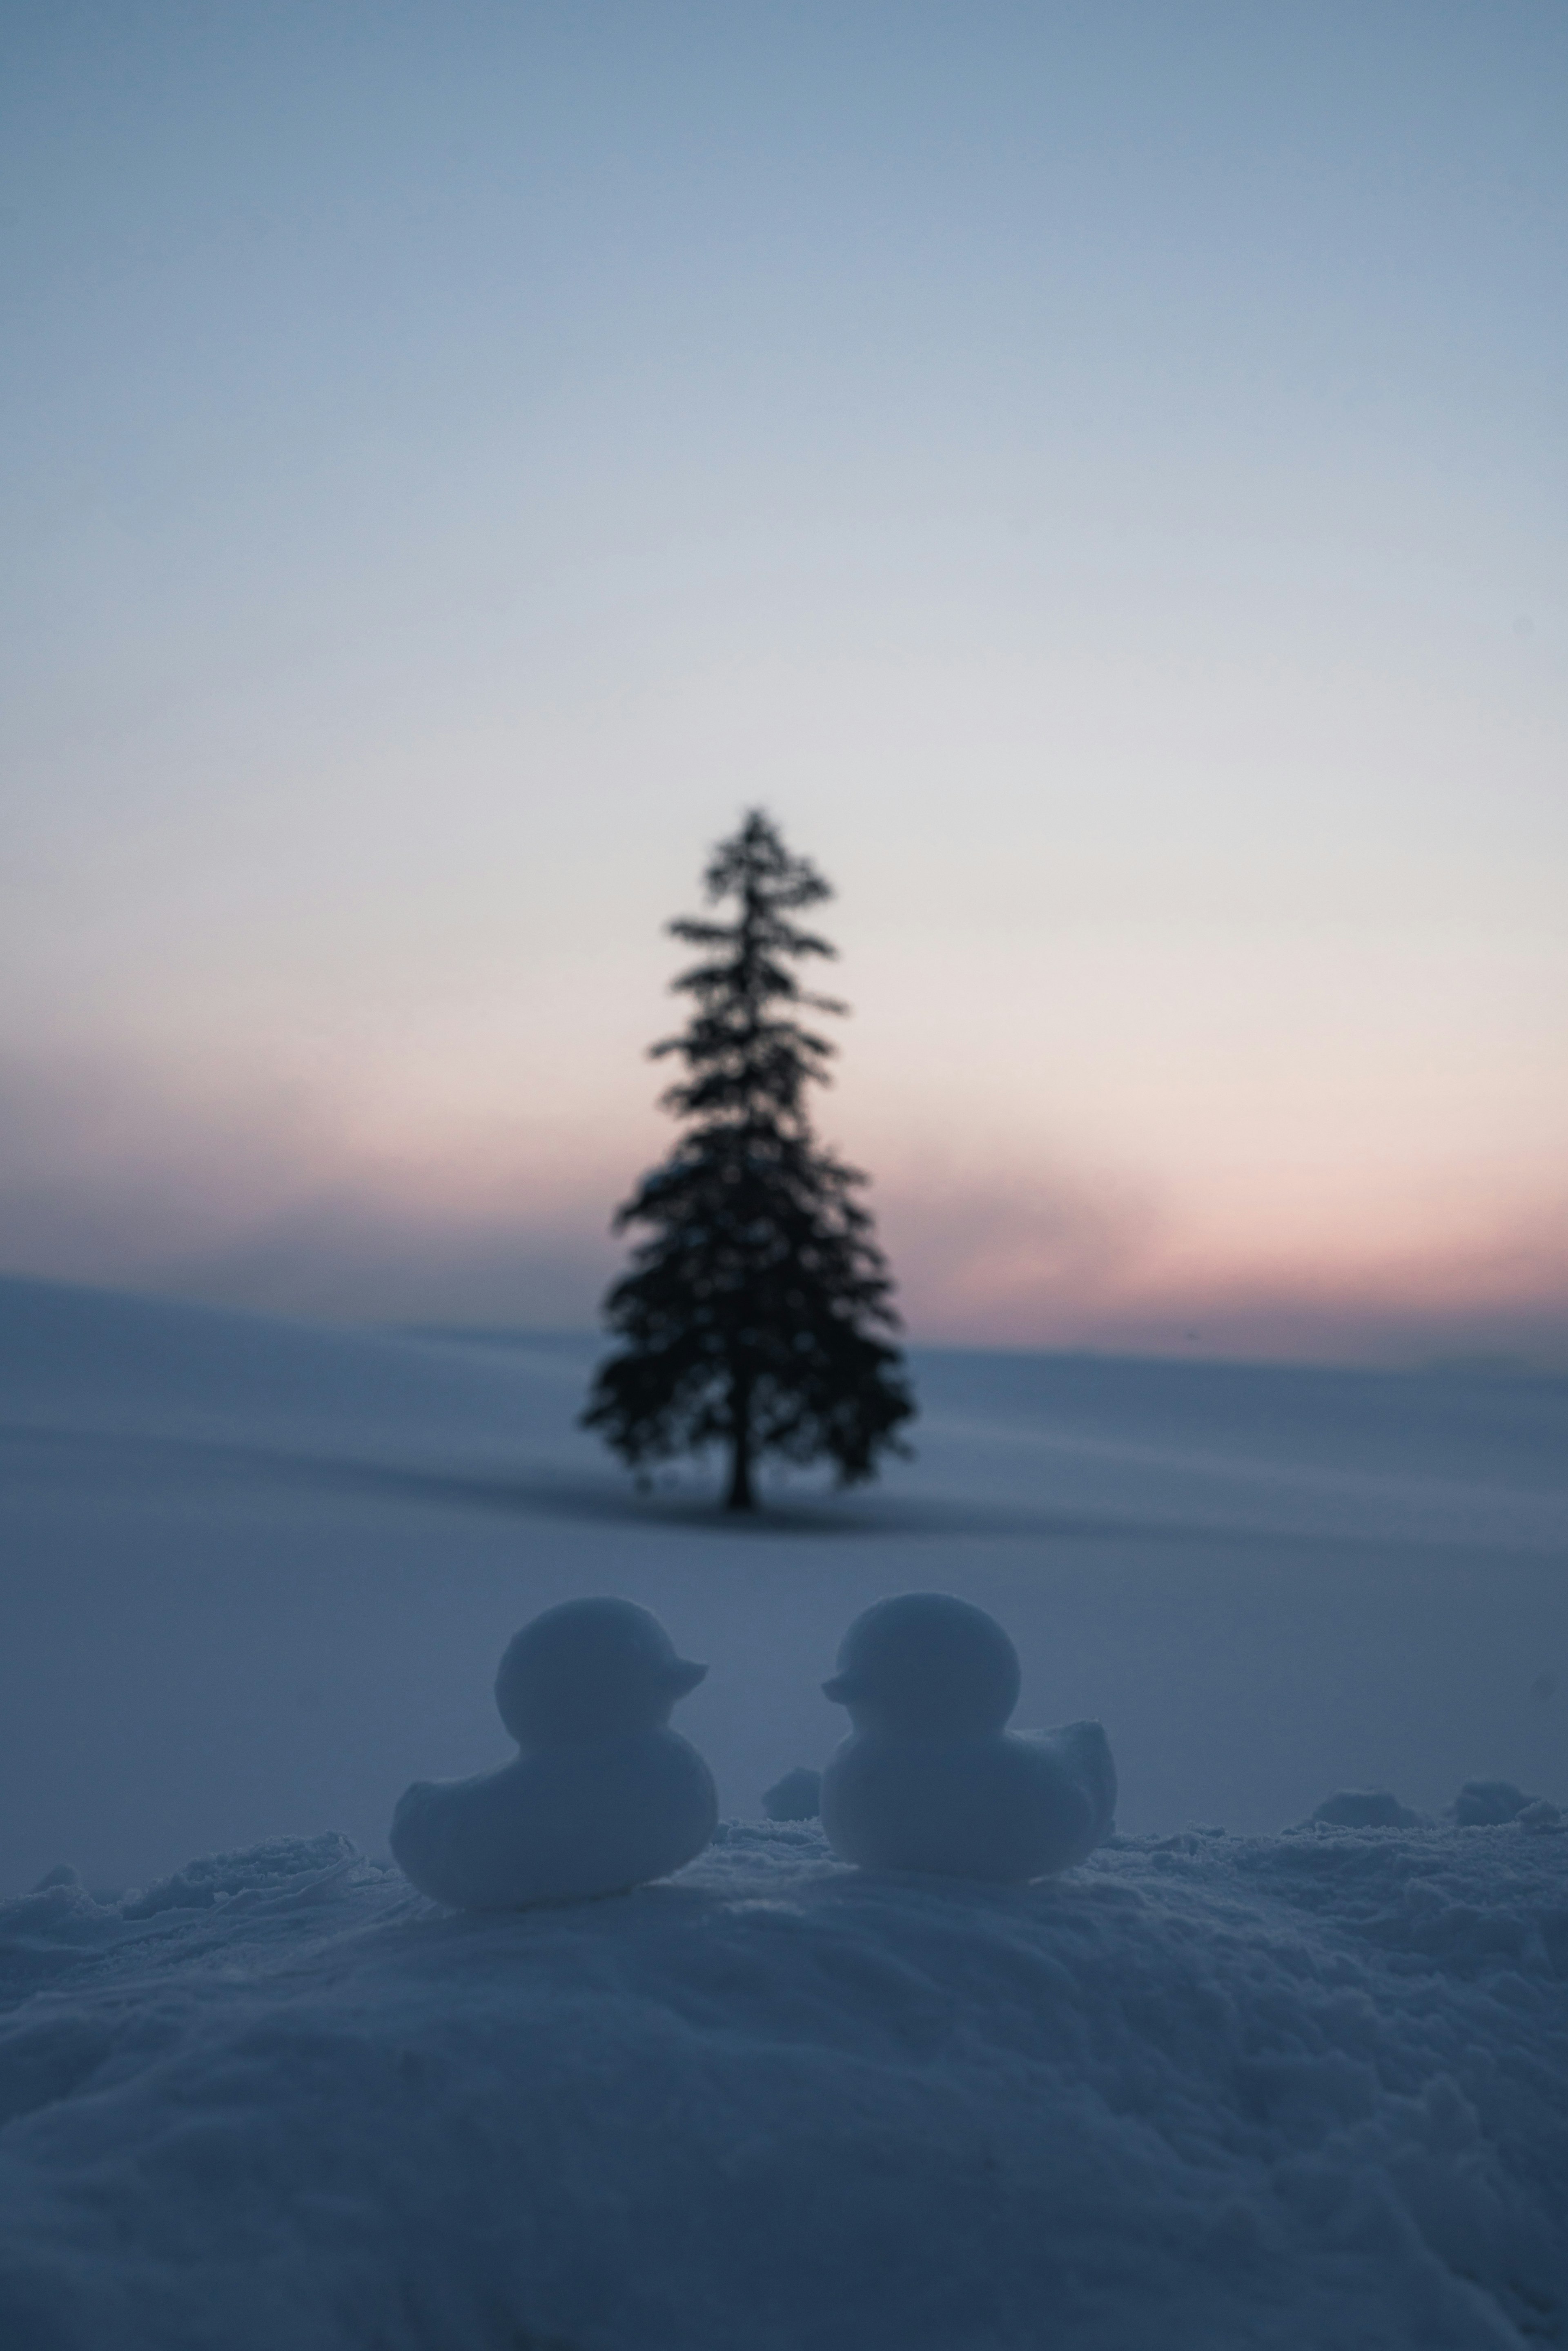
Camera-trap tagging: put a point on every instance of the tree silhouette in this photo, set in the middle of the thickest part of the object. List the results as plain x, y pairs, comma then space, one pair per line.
751, 1315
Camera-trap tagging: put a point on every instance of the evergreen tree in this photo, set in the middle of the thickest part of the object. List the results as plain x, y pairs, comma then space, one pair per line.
751, 1315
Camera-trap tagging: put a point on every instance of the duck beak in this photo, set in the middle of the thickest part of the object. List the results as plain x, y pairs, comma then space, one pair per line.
684, 1675
843, 1688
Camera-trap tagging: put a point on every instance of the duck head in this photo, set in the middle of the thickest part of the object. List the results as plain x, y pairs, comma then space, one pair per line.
926, 1666
591, 1669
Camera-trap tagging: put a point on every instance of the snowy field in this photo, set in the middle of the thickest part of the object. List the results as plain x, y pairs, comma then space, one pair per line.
1221, 2086
258, 1574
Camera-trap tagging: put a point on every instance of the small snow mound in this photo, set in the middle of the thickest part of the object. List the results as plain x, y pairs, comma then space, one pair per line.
1366, 1808
61, 1875
1489, 1804
262, 1869
796, 1797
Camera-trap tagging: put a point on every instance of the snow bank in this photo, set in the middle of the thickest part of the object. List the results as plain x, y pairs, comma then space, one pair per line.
1207, 2091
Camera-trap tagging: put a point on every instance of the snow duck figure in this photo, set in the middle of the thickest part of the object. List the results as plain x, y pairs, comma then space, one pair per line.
929, 1779
603, 1795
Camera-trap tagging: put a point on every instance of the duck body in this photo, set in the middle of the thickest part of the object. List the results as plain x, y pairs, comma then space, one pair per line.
558, 1825
1006, 1805
603, 1795
930, 1779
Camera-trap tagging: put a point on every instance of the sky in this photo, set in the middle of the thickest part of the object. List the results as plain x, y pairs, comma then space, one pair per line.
1094, 473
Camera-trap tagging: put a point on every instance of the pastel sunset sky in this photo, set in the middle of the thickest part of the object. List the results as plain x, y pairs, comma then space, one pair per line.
1095, 472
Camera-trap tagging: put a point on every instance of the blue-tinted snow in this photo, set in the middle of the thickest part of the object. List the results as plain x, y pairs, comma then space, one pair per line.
258, 1574
1206, 2090
1300, 2091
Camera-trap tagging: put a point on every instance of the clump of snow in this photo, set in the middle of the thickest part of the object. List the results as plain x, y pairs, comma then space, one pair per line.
220, 1876
798, 1796
1366, 1808
1216, 2092
1487, 1803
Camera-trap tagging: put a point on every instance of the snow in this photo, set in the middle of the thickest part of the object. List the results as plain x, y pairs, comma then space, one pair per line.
257, 1575
929, 1779
603, 1794
1210, 2091
1285, 2086
798, 1796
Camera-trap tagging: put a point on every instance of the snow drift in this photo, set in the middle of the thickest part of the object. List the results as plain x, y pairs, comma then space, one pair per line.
1201, 2092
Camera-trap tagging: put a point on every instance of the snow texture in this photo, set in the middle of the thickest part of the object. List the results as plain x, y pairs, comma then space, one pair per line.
1366, 1808
930, 1779
1204, 2091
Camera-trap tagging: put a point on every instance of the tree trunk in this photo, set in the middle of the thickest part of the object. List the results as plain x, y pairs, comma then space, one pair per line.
741, 1496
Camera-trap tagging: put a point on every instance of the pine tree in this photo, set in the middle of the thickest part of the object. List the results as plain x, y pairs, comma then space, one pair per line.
750, 1316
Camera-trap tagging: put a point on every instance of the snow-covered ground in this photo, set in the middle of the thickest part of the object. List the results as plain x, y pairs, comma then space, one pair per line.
1211, 2090
1310, 2090
258, 1574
